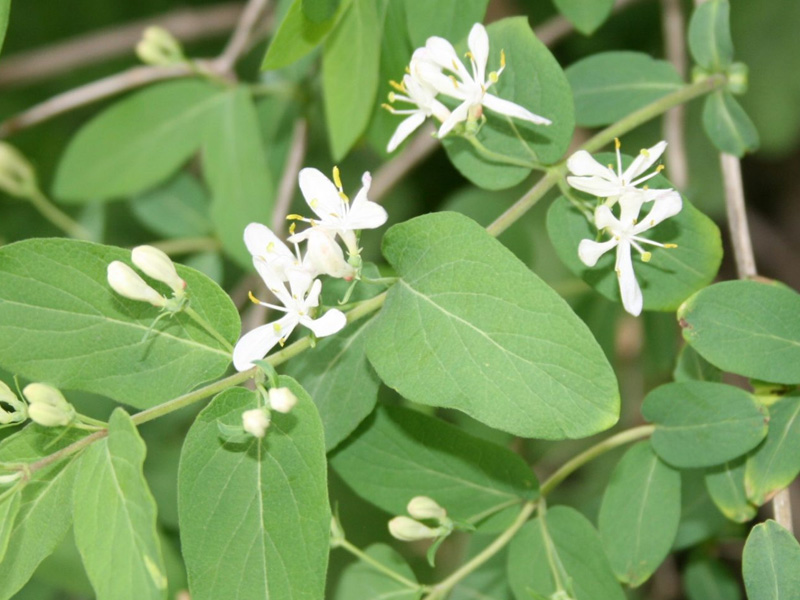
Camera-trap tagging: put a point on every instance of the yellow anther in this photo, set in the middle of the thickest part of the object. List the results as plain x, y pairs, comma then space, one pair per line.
610, 166
646, 256
282, 342
292, 227
400, 87
468, 55
617, 143
502, 59
336, 178
270, 247
645, 187
314, 203
294, 217
644, 152
253, 299
392, 97
387, 107
619, 273
494, 77
635, 221
344, 197
670, 245
408, 70
454, 80
660, 168
276, 327
455, 65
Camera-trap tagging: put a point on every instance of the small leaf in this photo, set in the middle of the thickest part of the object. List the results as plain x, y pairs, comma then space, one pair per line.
179, 208
693, 367
725, 485
363, 581
708, 579
710, 35
700, 518
449, 19
769, 563
728, 126
586, 15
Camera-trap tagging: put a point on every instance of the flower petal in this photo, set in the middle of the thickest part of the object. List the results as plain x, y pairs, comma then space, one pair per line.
590, 251
603, 217
328, 324
405, 129
597, 186
478, 43
582, 163
364, 214
665, 206
320, 193
459, 115
629, 288
504, 107
261, 241
442, 53
255, 344
644, 161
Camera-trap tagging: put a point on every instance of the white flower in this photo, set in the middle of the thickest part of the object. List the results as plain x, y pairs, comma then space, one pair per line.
255, 422
423, 507
282, 399
271, 257
626, 233
155, 263
47, 406
298, 301
603, 181
471, 88
126, 282
407, 529
324, 256
422, 96
335, 213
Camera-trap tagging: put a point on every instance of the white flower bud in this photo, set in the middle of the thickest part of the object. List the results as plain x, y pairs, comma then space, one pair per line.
325, 256
127, 283
17, 176
155, 263
255, 422
9, 479
407, 529
422, 507
47, 406
282, 399
9, 398
159, 47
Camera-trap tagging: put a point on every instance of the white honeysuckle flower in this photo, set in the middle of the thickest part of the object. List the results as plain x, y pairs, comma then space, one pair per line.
423, 97
256, 422
298, 301
591, 177
126, 282
626, 234
471, 89
324, 256
407, 529
335, 213
156, 264
282, 399
271, 257
47, 405
423, 507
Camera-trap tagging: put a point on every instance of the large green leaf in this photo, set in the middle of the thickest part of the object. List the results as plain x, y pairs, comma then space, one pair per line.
115, 517
401, 453
725, 485
5, 9
746, 327
701, 424
586, 15
60, 322
9, 507
769, 563
363, 581
179, 208
137, 142
235, 168
569, 543
707, 579
533, 79
728, 126
450, 19
468, 326
776, 463
710, 35
254, 516
611, 85
639, 514
319, 10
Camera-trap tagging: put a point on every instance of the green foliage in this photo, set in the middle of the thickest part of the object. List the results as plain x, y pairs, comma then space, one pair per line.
5, 10
115, 517
770, 560
449, 19
725, 484
179, 208
136, 143
535, 81
611, 85
68, 328
728, 126
363, 581
710, 35
586, 15
9, 507
708, 579
319, 11
746, 327
469, 327
693, 367
401, 453
639, 514
254, 515
701, 424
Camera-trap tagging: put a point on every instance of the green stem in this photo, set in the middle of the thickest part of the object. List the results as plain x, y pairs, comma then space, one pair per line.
208, 327
499, 158
378, 565
53, 214
187, 245
521, 206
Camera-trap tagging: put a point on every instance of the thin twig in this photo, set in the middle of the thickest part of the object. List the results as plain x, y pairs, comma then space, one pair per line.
294, 162
401, 165
737, 217
241, 35
674, 25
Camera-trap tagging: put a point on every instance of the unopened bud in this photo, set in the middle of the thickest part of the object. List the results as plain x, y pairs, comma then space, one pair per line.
47, 406
19, 410
159, 266
282, 399
11, 478
422, 507
17, 176
255, 422
325, 256
127, 283
407, 529
738, 74
159, 47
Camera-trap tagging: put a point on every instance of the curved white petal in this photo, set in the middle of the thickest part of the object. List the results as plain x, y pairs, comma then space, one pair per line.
629, 288
582, 164
478, 43
630, 204
664, 206
325, 256
442, 53
312, 299
328, 324
320, 193
261, 241
405, 129
594, 185
431, 74
504, 107
364, 214
603, 217
255, 344
590, 251
440, 111
300, 281
459, 115
644, 161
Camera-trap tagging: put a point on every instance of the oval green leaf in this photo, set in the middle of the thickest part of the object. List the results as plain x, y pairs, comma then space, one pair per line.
586, 15
708, 579
769, 563
725, 485
728, 126
179, 208
450, 19
710, 35
693, 367
9, 507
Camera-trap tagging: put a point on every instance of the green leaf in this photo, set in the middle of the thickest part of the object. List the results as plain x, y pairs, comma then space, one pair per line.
61, 322
701, 424
45, 511
700, 518
489, 581
363, 581
468, 326
746, 327
693, 367
769, 563
255, 518
115, 517
586, 15
298, 35
728, 126
400, 453
669, 278
137, 142
319, 11
235, 168
533, 79
350, 65
725, 485
710, 35
776, 463
179, 208
450, 19
639, 515
708, 579
611, 85
5, 9
569, 541
9, 508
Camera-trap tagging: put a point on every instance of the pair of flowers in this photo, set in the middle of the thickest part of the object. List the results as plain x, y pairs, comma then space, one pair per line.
292, 277
437, 69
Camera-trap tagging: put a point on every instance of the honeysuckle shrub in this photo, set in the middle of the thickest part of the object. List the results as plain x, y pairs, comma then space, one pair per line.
247, 352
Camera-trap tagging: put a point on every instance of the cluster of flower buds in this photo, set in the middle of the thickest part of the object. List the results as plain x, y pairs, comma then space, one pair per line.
12, 409
292, 277
627, 189
47, 406
256, 421
158, 47
437, 69
153, 263
421, 508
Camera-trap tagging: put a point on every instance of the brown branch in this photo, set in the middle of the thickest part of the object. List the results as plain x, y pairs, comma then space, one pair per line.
674, 25
241, 35
294, 162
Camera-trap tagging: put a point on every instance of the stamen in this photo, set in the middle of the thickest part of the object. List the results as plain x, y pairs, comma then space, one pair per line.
344, 197
392, 97
294, 217
660, 168
408, 70
276, 327
270, 247
253, 299
314, 203
670, 245
644, 152
454, 80
400, 87
502, 59
646, 256
388, 107
468, 55
336, 178
617, 143
282, 342
494, 77
292, 227
455, 65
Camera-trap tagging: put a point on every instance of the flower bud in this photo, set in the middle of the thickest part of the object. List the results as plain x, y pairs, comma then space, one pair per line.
158, 47
255, 422
17, 176
19, 410
738, 78
407, 529
155, 263
422, 507
282, 399
11, 478
325, 256
47, 406
127, 283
